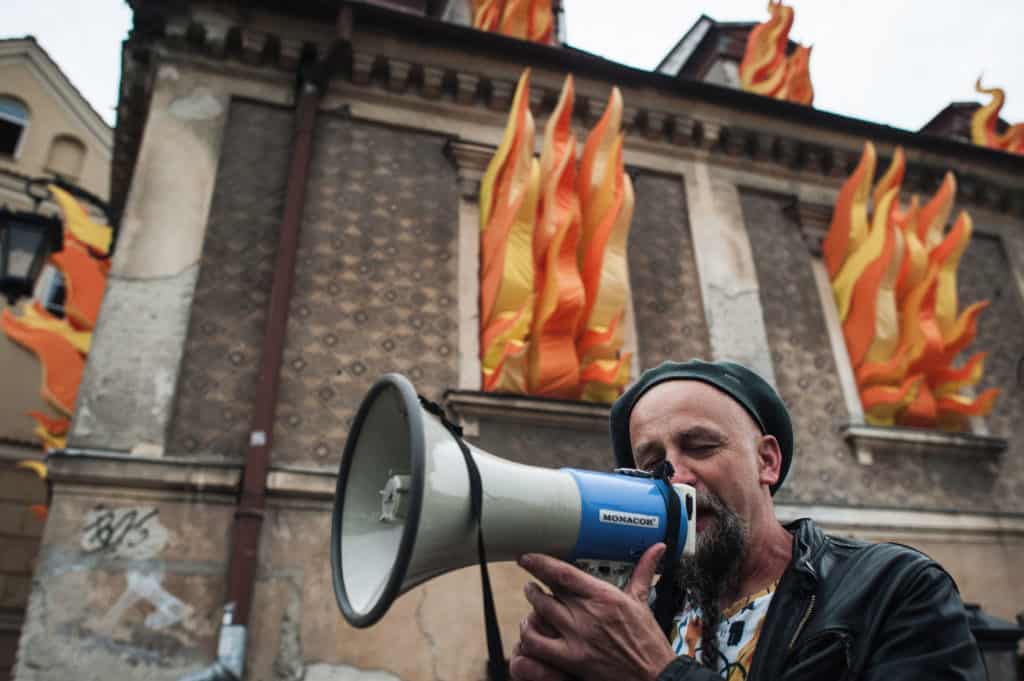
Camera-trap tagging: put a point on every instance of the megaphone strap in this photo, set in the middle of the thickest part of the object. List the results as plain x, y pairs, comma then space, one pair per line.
497, 665
666, 591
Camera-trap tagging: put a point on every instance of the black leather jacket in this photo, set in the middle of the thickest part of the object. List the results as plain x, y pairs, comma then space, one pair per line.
853, 611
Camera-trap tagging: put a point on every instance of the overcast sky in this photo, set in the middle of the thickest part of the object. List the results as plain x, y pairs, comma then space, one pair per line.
897, 62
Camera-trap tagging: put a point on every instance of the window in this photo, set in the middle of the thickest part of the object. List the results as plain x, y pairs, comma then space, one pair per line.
67, 154
13, 122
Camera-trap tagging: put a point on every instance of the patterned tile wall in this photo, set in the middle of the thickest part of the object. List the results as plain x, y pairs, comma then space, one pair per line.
215, 390
375, 288
548, 446
985, 274
824, 469
663, 273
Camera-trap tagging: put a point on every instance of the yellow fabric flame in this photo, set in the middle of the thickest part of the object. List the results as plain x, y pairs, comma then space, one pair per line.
985, 121
553, 362
554, 272
35, 316
532, 20
766, 70
79, 224
895, 291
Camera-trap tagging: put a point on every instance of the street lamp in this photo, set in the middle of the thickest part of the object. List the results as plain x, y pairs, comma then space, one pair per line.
28, 239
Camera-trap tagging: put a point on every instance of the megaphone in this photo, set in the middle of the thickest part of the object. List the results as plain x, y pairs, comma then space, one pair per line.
402, 508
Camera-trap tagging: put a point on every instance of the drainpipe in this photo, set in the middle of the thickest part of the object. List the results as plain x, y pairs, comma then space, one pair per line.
245, 535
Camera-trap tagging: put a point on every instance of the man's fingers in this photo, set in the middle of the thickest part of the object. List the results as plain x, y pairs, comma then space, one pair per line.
639, 585
552, 615
551, 651
534, 620
525, 668
559, 575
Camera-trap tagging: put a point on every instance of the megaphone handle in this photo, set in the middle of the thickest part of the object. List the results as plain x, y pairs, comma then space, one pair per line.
497, 665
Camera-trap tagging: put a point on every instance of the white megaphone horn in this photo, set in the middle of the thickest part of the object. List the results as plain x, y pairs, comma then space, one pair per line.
403, 513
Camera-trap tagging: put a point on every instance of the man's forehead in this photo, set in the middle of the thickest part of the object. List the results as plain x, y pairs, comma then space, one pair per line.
701, 402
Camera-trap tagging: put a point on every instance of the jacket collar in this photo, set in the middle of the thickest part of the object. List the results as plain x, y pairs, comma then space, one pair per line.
808, 543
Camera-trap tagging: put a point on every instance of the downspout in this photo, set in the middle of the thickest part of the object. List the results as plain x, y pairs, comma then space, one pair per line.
245, 535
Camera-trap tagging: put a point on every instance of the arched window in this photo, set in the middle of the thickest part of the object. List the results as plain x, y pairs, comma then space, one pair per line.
66, 157
13, 122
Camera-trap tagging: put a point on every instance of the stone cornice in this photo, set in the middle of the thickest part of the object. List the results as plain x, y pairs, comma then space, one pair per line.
314, 488
708, 119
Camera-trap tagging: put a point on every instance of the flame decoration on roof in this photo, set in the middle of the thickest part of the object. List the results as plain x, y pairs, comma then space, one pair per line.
985, 123
767, 70
532, 20
554, 278
893, 274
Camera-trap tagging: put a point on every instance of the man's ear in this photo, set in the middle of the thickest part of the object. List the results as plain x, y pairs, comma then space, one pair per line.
769, 460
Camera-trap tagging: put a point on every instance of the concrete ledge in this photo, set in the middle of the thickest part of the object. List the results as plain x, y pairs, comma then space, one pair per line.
889, 521
76, 466
306, 483
867, 441
471, 404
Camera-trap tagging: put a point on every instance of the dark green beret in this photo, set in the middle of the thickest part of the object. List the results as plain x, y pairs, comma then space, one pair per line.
751, 391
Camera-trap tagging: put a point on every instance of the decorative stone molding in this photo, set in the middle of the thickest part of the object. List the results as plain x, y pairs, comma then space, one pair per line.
470, 163
470, 404
501, 95
212, 36
398, 75
869, 441
433, 81
466, 86
655, 122
362, 68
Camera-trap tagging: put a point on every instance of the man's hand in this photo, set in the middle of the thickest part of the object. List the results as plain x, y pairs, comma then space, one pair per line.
588, 629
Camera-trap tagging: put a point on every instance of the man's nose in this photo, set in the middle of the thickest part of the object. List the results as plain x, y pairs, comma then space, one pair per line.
682, 474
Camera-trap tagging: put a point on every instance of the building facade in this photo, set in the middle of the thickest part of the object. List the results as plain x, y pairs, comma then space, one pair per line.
47, 129
363, 133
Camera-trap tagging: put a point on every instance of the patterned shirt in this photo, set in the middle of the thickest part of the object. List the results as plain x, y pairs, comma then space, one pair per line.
737, 634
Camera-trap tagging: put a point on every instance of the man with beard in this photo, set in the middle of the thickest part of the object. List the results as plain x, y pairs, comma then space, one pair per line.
759, 600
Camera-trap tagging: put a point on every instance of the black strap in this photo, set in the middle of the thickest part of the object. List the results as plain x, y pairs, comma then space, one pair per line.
497, 665
666, 592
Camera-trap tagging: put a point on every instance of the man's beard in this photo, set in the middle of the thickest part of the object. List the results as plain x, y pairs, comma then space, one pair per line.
714, 571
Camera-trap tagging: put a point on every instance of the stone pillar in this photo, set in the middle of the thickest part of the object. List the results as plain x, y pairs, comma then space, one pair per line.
126, 395
725, 267
470, 162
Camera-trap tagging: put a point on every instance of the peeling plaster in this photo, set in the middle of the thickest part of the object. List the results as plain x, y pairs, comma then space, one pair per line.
147, 587
200, 105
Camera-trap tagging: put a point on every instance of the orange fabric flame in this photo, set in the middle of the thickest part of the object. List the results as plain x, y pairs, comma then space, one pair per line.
766, 70
85, 279
553, 363
607, 202
896, 295
798, 87
62, 364
554, 274
509, 193
532, 20
985, 121
850, 217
